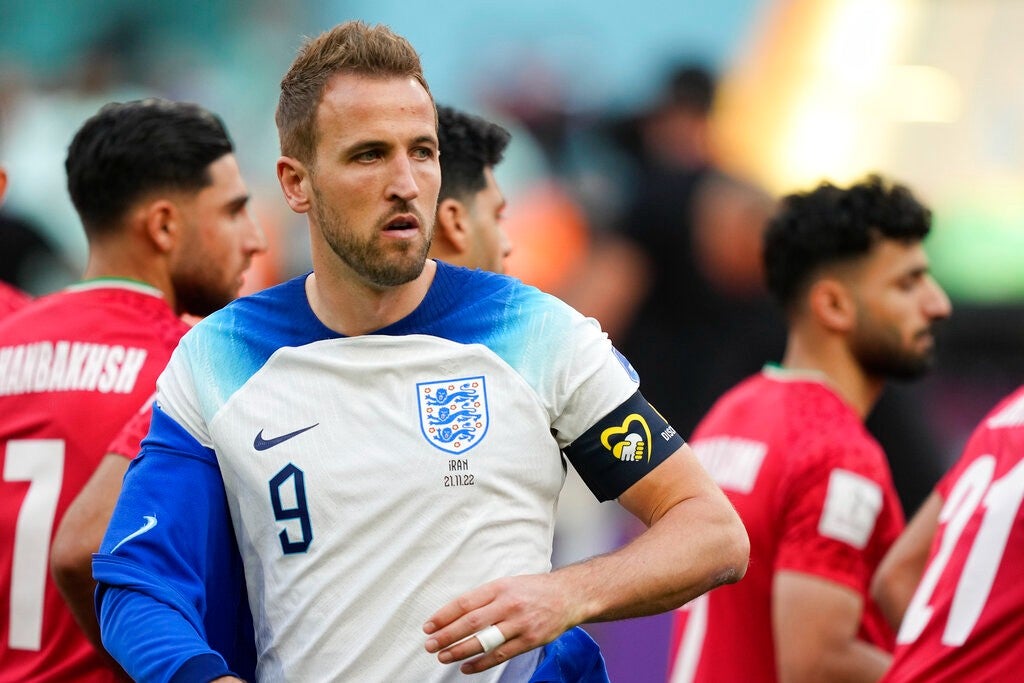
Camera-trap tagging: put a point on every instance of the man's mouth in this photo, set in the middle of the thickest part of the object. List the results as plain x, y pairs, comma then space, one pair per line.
402, 225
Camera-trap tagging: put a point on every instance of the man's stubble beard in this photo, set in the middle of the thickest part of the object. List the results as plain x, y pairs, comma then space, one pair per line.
881, 354
366, 257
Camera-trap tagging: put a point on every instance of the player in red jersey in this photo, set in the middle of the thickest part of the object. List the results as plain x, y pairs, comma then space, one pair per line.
963, 552
164, 209
789, 447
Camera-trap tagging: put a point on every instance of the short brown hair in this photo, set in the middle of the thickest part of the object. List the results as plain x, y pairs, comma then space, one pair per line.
352, 47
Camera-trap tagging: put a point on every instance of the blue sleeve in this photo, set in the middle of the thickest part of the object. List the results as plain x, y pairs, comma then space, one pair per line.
170, 588
573, 657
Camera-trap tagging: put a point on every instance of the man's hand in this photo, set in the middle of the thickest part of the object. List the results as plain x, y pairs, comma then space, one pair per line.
695, 542
530, 611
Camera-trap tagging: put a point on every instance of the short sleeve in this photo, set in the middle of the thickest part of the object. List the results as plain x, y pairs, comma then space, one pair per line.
594, 380
836, 509
177, 394
127, 442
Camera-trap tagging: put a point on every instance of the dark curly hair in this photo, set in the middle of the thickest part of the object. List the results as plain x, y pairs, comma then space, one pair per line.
468, 145
830, 224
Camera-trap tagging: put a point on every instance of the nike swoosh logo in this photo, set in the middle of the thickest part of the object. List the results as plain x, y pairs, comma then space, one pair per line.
261, 444
150, 523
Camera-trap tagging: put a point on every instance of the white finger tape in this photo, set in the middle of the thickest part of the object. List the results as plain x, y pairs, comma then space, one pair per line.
490, 637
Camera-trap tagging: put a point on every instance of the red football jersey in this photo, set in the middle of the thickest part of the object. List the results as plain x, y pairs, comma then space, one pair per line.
966, 619
127, 441
74, 366
11, 299
815, 493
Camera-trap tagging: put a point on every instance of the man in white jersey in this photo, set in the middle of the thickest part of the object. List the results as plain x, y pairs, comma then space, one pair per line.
380, 443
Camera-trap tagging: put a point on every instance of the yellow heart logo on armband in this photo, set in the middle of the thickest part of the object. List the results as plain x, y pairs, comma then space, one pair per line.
629, 444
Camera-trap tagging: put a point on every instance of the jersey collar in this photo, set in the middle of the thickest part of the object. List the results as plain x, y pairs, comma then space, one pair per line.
777, 372
116, 283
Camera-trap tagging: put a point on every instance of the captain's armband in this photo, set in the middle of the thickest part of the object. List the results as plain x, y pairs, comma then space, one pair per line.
622, 447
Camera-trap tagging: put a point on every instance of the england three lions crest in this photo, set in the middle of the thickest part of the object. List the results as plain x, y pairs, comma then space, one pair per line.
453, 413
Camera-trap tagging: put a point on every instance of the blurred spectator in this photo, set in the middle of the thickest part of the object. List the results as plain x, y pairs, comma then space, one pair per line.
693, 238
28, 262
691, 314
27, 259
11, 298
39, 125
551, 236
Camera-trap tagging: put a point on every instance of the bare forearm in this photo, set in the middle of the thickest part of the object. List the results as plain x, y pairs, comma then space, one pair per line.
697, 545
893, 597
79, 536
77, 589
901, 569
693, 547
859, 662
816, 622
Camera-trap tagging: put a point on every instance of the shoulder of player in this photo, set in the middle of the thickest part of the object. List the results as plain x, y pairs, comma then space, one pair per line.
1000, 434
503, 301
804, 423
818, 411
818, 430
269, 312
130, 316
457, 285
789, 406
1008, 413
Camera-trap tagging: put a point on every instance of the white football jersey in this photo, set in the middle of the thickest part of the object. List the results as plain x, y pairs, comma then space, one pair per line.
372, 479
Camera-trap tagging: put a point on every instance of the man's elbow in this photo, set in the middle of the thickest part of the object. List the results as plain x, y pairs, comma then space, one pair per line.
735, 549
881, 582
891, 590
70, 562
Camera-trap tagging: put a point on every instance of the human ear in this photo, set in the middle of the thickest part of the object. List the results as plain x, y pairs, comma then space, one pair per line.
451, 224
832, 304
294, 179
162, 224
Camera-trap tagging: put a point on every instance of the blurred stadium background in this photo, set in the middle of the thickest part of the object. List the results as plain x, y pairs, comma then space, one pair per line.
925, 91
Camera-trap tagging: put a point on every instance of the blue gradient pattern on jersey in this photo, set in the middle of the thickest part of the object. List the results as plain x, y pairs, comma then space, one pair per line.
519, 323
236, 341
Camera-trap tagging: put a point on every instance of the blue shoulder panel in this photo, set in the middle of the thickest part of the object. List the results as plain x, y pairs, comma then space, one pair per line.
521, 324
236, 341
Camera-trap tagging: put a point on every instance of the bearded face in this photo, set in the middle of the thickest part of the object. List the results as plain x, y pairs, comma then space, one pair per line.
897, 304
374, 181
883, 351
374, 257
